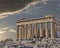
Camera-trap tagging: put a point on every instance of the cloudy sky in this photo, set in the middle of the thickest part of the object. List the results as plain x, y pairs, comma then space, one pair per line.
12, 10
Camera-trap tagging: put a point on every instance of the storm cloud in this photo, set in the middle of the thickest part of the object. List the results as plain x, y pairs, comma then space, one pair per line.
9, 7
13, 5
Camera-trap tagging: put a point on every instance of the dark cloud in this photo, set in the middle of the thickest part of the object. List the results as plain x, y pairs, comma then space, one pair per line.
12, 5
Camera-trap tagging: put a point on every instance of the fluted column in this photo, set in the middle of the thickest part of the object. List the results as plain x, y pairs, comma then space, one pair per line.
35, 30
31, 31
18, 32
52, 30
29, 34
27, 30
46, 30
55, 30
41, 30
22, 32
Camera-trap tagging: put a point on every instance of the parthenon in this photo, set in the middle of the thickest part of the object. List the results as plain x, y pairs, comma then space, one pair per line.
38, 27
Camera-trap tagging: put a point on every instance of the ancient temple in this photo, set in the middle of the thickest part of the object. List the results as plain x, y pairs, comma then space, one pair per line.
45, 27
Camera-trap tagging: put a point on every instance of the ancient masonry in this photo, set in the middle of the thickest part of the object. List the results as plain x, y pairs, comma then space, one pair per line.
39, 27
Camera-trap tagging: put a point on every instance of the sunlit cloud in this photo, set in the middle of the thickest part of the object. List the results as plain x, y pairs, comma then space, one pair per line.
6, 14
30, 10
1, 32
12, 30
5, 28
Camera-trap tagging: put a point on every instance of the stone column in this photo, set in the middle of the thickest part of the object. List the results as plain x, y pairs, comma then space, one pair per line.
18, 32
32, 30
27, 36
55, 30
29, 31
35, 30
46, 30
41, 30
52, 30
25, 33
22, 32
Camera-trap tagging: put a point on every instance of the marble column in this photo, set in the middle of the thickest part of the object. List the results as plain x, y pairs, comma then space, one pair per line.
22, 37
21, 31
41, 30
35, 30
29, 31
52, 30
55, 30
18, 32
46, 30
25, 33
24, 30
32, 30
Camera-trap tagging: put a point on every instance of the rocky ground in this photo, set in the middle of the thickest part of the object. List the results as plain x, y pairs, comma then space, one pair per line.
31, 43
